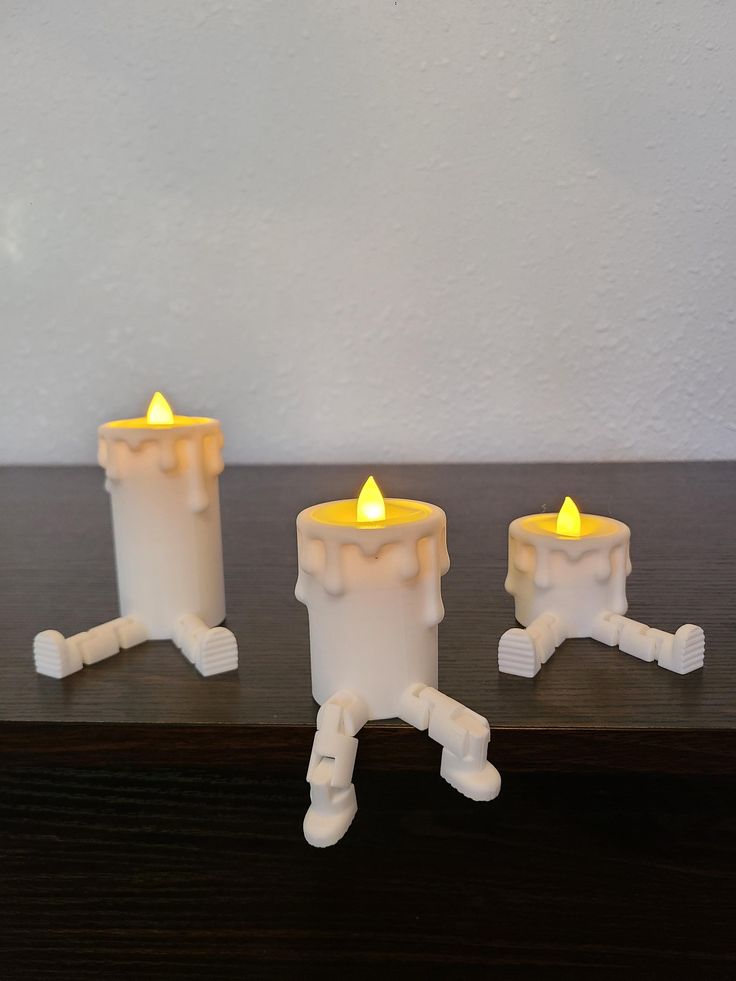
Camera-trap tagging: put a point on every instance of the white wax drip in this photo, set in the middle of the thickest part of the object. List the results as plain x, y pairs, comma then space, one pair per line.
522, 555
621, 554
201, 457
415, 557
167, 455
332, 577
538, 560
439, 563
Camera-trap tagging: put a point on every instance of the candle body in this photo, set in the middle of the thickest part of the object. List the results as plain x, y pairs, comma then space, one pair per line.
575, 578
374, 601
163, 485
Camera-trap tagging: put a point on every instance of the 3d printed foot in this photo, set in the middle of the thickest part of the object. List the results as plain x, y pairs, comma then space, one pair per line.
331, 767
464, 736
212, 650
681, 652
57, 656
517, 654
523, 651
332, 809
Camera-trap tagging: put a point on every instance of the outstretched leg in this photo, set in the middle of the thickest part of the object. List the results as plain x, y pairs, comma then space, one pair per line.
681, 652
523, 651
464, 736
330, 772
58, 656
212, 650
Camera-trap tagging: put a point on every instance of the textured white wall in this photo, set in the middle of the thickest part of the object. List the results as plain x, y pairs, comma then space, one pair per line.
380, 230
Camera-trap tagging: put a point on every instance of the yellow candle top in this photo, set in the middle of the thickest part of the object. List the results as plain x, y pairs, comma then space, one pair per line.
570, 524
370, 510
158, 416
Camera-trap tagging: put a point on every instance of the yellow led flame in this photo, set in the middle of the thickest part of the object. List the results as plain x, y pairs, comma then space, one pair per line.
371, 506
159, 411
568, 520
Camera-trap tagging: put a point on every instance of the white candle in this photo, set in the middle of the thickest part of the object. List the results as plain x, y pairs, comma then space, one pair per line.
163, 484
162, 476
374, 599
369, 574
577, 577
567, 574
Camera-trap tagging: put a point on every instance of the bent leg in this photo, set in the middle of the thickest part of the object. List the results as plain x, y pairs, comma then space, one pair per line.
523, 650
681, 652
212, 650
464, 736
57, 656
330, 771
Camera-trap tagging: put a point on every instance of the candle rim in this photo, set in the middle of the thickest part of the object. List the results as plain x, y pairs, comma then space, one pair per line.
592, 526
413, 513
140, 422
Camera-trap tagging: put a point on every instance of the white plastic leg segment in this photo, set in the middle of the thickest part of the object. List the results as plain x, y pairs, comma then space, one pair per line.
522, 651
464, 736
330, 771
58, 656
212, 650
681, 652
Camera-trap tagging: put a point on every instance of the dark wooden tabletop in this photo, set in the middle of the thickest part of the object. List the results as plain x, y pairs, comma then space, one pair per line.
150, 819
590, 706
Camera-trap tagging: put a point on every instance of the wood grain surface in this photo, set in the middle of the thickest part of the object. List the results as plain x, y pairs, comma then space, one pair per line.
150, 820
590, 706
202, 873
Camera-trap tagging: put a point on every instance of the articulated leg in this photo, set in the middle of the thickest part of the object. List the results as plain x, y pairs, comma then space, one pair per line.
523, 651
681, 652
212, 650
330, 772
463, 735
57, 656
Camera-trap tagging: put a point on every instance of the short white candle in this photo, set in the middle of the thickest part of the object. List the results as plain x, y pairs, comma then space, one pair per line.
576, 576
369, 574
162, 475
567, 573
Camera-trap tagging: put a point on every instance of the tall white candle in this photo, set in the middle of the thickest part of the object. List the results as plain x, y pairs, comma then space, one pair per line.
162, 475
369, 574
163, 485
